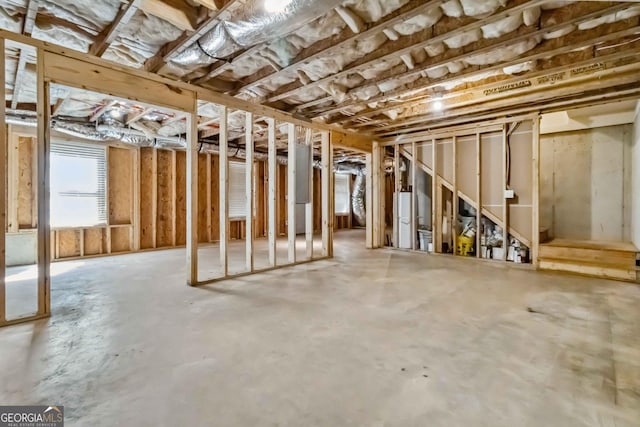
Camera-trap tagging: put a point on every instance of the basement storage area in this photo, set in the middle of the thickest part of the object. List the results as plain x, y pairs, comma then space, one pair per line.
336, 212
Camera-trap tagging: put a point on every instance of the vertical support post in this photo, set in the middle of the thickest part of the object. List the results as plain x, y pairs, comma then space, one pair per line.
209, 197
436, 232
107, 207
396, 195
414, 197
44, 228
136, 199
308, 217
12, 162
154, 196
291, 192
377, 196
249, 189
224, 190
505, 201
192, 197
535, 237
3, 190
454, 198
174, 197
273, 169
478, 194
328, 212
369, 201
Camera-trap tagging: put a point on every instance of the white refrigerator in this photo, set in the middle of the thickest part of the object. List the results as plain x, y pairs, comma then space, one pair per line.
404, 219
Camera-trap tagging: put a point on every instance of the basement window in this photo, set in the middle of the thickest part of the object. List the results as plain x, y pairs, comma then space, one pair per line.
237, 190
342, 194
78, 185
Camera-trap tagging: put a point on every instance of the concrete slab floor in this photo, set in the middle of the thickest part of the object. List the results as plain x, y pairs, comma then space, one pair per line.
369, 338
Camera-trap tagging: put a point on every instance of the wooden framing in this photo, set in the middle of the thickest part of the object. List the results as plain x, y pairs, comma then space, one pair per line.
474, 195
308, 208
414, 198
369, 202
327, 195
192, 201
272, 171
535, 223
58, 65
396, 191
291, 192
478, 194
249, 170
224, 190
44, 235
435, 200
3, 192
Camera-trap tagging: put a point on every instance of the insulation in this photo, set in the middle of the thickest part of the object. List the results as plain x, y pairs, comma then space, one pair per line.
463, 39
531, 16
452, 8
419, 22
10, 20
374, 10
141, 38
505, 54
502, 27
610, 18
479, 8
63, 36
96, 14
520, 68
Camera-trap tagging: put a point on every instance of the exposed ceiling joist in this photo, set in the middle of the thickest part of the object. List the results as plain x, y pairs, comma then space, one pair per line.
109, 34
174, 48
341, 40
27, 29
394, 49
548, 48
139, 115
101, 110
531, 102
30, 17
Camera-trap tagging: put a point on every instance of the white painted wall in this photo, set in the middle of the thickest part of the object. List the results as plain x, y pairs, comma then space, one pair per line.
635, 180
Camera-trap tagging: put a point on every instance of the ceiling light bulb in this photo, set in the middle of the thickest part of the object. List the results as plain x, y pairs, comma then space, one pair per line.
276, 6
437, 105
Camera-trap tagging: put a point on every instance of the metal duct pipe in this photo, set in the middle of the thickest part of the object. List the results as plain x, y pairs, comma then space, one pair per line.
240, 153
358, 201
249, 25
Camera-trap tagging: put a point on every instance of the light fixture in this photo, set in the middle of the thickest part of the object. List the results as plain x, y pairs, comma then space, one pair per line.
437, 104
276, 6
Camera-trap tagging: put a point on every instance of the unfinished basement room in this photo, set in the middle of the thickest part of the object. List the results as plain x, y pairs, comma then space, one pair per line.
320, 213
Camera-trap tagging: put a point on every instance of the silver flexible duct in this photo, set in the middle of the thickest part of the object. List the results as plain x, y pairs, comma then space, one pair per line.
252, 24
357, 200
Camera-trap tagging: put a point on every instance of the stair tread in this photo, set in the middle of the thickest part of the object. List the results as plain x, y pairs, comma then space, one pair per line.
591, 244
591, 263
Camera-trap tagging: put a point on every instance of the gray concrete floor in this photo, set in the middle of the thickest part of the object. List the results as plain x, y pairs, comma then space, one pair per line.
368, 338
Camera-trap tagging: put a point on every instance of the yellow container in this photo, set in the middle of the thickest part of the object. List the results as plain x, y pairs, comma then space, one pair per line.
465, 245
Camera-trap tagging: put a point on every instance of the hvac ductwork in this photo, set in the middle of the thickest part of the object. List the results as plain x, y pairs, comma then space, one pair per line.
252, 24
357, 199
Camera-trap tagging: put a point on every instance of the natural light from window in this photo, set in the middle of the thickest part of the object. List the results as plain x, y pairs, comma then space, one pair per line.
77, 185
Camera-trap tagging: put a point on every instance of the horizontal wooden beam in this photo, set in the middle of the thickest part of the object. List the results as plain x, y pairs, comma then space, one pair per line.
109, 34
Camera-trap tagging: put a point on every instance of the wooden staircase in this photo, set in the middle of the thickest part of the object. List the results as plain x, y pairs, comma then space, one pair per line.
610, 260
